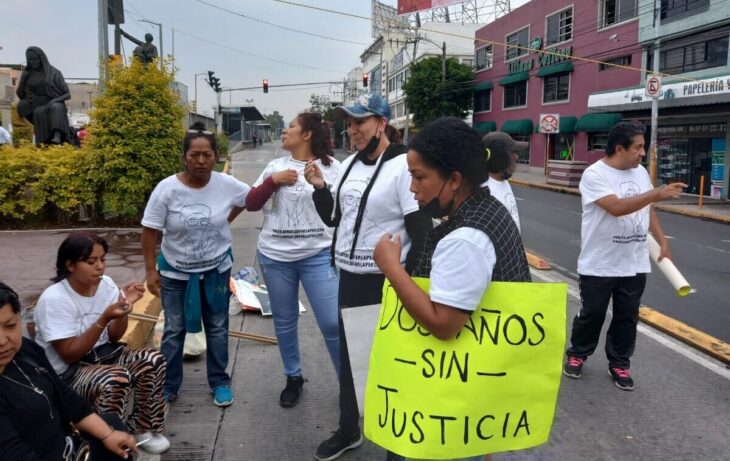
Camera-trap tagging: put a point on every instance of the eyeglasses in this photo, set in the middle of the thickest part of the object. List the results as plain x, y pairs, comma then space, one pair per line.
200, 131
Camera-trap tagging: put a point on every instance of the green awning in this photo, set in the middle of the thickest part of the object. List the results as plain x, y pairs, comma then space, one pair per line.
597, 123
483, 85
514, 78
567, 124
565, 66
521, 126
485, 127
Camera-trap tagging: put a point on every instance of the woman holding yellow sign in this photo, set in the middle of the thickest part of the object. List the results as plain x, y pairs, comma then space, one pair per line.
447, 164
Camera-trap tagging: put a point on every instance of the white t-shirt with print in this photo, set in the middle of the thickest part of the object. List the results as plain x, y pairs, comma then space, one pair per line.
502, 191
451, 284
390, 199
613, 246
292, 228
196, 232
62, 313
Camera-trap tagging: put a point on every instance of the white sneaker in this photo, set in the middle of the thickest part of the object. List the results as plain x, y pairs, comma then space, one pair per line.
155, 443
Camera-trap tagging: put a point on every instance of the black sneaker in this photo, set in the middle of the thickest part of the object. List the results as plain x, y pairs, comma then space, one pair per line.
339, 443
574, 367
290, 395
621, 378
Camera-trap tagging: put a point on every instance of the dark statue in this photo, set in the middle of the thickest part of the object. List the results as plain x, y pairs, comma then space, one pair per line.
145, 51
42, 91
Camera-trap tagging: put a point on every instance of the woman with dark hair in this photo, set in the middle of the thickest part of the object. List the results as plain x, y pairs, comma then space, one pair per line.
447, 164
37, 408
79, 322
42, 91
502, 154
294, 244
194, 209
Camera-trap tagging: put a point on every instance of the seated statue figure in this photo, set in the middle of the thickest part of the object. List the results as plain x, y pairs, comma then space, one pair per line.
42, 92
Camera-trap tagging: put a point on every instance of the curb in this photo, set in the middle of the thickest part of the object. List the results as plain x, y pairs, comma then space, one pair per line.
667, 208
685, 333
138, 331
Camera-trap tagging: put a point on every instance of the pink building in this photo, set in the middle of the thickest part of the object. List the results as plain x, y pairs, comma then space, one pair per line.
541, 76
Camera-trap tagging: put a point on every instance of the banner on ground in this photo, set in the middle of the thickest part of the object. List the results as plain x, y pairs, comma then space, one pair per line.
411, 6
493, 388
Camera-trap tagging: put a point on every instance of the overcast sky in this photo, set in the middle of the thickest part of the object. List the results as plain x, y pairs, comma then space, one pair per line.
241, 51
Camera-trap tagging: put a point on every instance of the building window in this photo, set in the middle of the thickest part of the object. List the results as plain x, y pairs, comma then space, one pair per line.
483, 101
524, 156
597, 141
560, 27
515, 95
675, 9
519, 41
556, 88
615, 11
484, 57
374, 80
14, 81
619, 61
468, 62
692, 57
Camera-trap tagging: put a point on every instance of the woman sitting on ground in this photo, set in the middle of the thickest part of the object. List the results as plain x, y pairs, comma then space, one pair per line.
79, 322
37, 408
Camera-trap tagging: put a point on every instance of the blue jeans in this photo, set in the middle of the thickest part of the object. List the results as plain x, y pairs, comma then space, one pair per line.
320, 283
173, 336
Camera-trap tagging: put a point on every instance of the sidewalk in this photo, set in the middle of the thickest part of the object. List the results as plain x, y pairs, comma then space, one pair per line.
687, 205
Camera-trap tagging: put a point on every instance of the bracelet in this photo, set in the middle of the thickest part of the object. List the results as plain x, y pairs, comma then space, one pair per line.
107, 436
96, 324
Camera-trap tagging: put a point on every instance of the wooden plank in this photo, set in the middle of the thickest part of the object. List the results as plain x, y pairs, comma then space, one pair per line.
685, 333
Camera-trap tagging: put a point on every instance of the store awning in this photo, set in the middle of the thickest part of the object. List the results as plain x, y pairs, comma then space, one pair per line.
567, 124
597, 123
565, 66
515, 78
485, 127
483, 85
521, 126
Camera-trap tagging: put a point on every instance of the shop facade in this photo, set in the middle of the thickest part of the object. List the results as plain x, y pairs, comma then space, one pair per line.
538, 92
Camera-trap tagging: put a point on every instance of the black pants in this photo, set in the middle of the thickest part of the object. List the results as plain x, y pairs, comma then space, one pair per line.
97, 450
595, 293
354, 290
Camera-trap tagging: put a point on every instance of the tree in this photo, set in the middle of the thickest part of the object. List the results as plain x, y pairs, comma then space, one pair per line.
275, 121
136, 133
429, 97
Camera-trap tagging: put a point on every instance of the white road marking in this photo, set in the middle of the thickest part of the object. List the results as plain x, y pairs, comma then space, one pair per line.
661, 338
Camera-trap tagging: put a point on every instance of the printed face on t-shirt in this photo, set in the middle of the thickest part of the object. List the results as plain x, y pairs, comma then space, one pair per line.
631, 157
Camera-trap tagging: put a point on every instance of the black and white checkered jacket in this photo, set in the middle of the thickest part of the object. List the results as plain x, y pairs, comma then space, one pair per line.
483, 212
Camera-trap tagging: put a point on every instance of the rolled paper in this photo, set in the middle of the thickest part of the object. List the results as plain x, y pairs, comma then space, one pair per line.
670, 271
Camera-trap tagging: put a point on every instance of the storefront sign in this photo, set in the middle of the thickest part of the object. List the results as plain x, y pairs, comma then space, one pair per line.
519, 66
554, 56
719, 86
708, 129
671, 130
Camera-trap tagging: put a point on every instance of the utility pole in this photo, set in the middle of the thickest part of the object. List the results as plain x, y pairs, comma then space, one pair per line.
405, 101
654, 102
344, 90
443, 76
219, 115
103, 41
173, 52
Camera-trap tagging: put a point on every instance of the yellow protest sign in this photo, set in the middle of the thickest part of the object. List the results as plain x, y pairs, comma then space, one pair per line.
493, 388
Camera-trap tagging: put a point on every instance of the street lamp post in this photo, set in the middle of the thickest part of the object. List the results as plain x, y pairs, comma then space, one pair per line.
196, 89
162, 52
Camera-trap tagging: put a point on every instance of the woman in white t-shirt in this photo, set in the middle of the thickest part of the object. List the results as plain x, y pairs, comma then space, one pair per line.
502, 155
294, 244
79, 322
191, 212
447, 164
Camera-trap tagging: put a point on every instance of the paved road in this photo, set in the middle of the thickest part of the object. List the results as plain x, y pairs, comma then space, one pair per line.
701, 249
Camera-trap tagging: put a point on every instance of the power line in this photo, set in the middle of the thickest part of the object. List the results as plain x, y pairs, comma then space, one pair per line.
325, 37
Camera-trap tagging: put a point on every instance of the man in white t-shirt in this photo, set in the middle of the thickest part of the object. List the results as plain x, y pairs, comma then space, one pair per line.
616, 194
502, 153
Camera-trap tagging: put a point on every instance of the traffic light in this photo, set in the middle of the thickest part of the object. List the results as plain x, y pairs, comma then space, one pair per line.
214, 82
266, 85
364, 80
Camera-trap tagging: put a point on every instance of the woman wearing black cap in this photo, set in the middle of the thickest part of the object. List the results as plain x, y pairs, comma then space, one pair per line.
370, 197
447, 164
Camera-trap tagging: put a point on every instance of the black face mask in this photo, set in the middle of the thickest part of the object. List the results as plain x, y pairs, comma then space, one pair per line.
433, 208
370, 148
